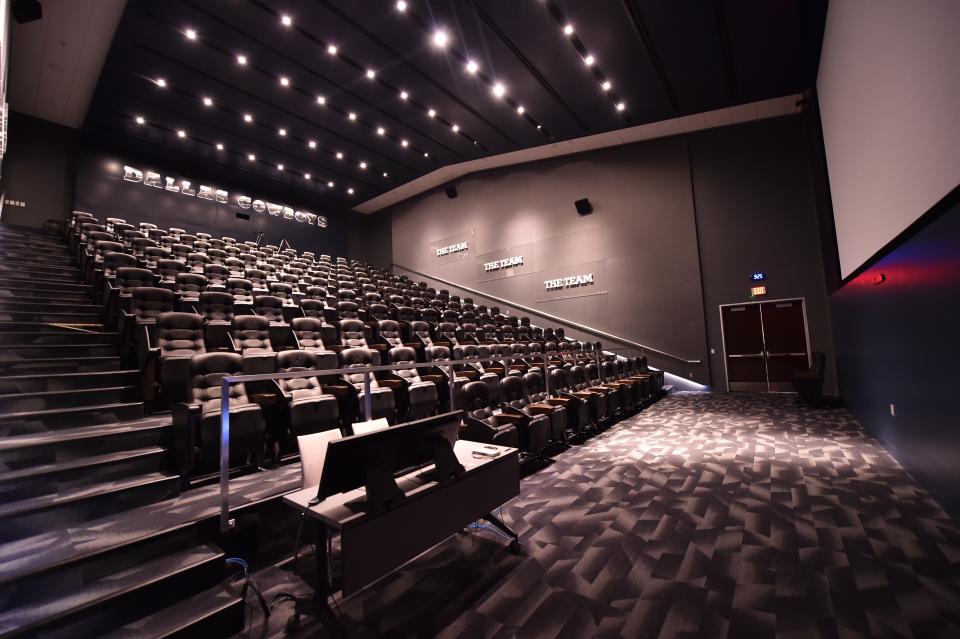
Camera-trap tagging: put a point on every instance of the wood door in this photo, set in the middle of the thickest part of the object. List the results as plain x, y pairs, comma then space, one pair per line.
785, 337
743, 347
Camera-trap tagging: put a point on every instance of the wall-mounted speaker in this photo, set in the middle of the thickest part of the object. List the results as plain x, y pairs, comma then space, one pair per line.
451, 192
584, 207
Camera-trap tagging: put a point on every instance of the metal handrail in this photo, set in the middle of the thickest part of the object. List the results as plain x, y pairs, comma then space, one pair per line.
553, 318
226, 523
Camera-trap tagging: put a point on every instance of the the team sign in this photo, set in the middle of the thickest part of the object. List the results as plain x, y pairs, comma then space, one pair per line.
568, 282
453, 248
185, 187
507, 262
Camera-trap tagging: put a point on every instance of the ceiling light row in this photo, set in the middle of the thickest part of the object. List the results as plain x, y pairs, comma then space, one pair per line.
589, 60
251, 157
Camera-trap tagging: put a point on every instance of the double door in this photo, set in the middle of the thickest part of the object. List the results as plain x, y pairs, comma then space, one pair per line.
765, 343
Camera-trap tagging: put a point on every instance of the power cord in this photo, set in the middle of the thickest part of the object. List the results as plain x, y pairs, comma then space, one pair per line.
247, 584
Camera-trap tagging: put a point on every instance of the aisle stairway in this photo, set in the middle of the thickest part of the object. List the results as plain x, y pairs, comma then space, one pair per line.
77, 452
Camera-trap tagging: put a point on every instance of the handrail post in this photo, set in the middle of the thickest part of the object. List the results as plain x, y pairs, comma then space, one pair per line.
453, 388
367, 400
546, 378
225, 522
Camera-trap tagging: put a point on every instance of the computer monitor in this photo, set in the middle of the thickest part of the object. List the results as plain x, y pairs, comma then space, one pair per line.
372, 460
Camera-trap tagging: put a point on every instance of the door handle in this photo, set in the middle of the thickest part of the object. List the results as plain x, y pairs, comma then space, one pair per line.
745, 355
786, 354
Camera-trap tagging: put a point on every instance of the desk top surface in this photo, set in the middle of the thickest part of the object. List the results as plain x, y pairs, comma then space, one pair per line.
336, 514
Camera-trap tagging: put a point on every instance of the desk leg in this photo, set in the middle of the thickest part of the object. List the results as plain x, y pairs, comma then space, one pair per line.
322, 589
515, 539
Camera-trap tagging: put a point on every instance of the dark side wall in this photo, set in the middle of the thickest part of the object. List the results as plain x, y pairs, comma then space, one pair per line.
898, 344
678, 226
38, 169
102, 190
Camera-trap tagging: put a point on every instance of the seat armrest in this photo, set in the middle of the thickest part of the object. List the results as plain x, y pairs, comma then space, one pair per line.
392, 383
540, 409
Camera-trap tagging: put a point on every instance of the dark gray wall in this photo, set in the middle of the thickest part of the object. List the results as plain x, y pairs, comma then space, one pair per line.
756, 211
102, 190
369, 238
640, 243
38, 169
897, 343
718, 204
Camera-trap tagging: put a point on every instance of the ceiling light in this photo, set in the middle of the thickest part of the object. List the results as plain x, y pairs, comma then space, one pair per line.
385, 174
499, 90
381, 130
426, 155
404, 143
286, 20
621, 106
539, 126
568, 29
472, 66
401, 6
350, 191
139, 119
191, 34
352, 116
371, 74
247, 117
241, 59
332, 49
252, 157
279, 167
363, 165
161, 82
432, 113
321, 99
306, 176
207, 102
588, 60
284, 81
330, 185
520, 109
404, 95
282, 132
312, 144
606, 85
455, 127
440, 38
181, 133
219, 146
339, 155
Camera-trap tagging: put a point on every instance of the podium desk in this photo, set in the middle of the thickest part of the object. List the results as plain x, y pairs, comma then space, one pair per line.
375, 544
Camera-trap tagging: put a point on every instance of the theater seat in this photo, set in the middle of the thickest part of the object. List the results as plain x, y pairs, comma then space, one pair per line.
415, 397
309, 408
250, 335
538, 400
534, 428
482, 424
179, 339
216, 309
382, 402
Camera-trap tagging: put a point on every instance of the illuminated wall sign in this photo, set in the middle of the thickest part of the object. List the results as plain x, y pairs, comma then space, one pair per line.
453, 248
758, 276
568, 282
507, 262
185, 187
757, 291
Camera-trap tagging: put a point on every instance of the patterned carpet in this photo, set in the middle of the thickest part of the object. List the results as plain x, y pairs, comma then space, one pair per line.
706, 515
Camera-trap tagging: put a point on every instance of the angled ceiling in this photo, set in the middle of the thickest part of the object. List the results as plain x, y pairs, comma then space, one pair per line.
388, 105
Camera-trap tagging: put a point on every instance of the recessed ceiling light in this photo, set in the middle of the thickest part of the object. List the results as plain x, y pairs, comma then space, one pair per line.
279, 167
440, 38
282, 132
385, 174
181, 133
455, 127
621, 106
539, 126
520, 109
332, 49
401, 6
339, 155
499, 90
371, 74
381, 130
161, 82
606, 85
330, 185
426, 155
241, 59
247, 117
252, 157
284, 81
472, 66
219, 146
191, 34
207, 102
432, 113
588, 60
306, 176
352, 116
312, 144
568, 29
321, 99
350, 191
363, 165
139, 119
286, 20
404, 143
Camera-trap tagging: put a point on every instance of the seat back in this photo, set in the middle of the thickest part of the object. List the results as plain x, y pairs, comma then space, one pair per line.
149, 302
180, 334
269, 307
216, 306
251, 333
